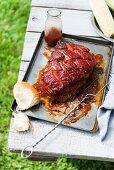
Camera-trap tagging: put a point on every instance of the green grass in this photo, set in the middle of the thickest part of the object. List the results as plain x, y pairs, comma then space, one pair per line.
13, 20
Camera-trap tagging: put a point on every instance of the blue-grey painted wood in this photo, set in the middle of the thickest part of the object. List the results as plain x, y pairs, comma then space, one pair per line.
68, 4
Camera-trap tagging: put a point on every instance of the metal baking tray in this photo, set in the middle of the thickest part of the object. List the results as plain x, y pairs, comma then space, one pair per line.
38, 61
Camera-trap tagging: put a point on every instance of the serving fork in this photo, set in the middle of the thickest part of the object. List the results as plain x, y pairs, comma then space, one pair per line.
31, 147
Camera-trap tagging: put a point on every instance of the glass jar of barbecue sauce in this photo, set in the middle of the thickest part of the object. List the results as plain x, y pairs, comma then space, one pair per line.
53, 27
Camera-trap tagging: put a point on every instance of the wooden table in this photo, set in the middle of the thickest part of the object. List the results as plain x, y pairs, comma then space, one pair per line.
67, 142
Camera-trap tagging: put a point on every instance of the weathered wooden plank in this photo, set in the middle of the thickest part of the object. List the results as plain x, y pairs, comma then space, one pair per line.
38, 157
74, 21
69, 4
64, 141
21, 75
42, 158
24, 65
23, 68
31, 40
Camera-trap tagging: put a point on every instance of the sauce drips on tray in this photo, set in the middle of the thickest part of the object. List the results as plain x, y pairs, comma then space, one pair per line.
84, 112
46, 55
99, 59
48, 48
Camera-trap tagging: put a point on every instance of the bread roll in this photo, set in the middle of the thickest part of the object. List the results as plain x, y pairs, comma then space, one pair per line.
21, 122
26, 95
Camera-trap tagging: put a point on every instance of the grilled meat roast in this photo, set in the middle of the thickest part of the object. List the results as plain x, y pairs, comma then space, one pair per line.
67, 71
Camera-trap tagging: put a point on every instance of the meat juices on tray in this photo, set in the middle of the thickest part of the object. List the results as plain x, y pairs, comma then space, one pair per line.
66, 72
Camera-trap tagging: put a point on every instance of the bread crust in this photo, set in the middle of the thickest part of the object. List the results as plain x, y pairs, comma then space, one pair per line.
25, 100
27, 85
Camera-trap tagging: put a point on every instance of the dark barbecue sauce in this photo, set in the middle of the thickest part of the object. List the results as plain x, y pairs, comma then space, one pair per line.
53, 36
46, 55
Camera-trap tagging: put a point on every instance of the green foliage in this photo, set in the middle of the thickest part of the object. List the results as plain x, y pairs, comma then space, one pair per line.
13, 20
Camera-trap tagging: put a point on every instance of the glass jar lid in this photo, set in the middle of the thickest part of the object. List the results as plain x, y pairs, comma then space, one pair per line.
54, 12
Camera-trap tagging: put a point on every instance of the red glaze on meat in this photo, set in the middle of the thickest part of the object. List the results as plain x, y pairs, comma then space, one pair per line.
66, 72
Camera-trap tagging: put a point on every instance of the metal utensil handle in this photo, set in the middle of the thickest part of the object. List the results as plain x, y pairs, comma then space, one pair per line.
32, 146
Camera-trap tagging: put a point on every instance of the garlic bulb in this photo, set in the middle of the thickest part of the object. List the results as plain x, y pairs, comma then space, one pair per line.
21, 122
